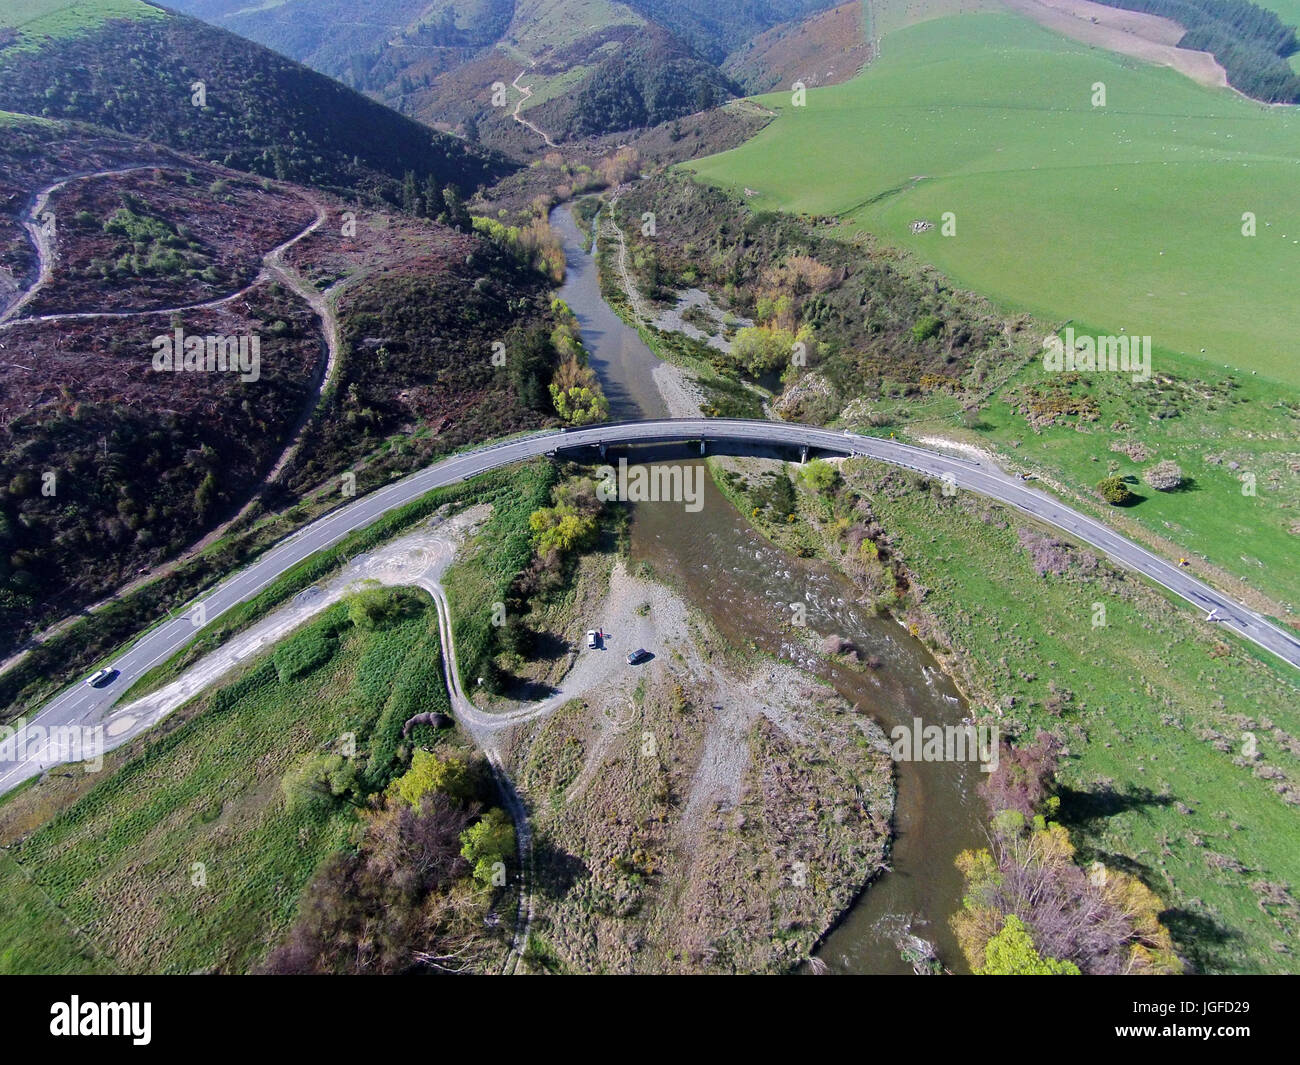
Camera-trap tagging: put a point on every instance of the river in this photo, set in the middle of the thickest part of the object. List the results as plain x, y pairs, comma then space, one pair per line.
745, 587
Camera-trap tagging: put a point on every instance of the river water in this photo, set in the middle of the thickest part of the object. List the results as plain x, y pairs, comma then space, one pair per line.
746, 586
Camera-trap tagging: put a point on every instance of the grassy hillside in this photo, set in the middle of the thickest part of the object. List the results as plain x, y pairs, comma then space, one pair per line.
27, 26
1061, 208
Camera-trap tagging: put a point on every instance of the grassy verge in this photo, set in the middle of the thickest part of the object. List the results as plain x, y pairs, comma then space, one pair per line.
488, 488
1232, 436
96, 638
1183, 750
483, 578
190, 854
38, 939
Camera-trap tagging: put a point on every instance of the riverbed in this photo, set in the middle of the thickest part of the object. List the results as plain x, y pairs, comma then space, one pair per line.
747, 588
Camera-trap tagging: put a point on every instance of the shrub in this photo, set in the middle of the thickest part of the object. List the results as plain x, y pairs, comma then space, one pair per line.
927, 327
450, 775
1012, 953
487, 843
1114, 491
821, 476
377, 608
1164, 476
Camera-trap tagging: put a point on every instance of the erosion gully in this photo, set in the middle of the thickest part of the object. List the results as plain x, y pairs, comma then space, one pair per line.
745, 587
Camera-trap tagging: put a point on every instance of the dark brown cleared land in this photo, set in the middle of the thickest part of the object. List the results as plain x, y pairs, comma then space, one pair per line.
154, 239
141, 464
822, 50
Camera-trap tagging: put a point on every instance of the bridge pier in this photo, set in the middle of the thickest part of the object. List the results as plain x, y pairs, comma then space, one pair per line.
803, 454
603, 446
701, 447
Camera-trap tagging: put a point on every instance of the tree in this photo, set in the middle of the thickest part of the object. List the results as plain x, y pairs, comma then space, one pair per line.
580, 405
455, 214
820, 476
1164, 476
410, 193
1114, 491
488, 844
560, 528
762, 349
431, 205
450, 775
1012, 953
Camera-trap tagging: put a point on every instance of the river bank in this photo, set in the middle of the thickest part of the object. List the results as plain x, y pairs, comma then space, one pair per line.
1041, 634
708, 811
719, 564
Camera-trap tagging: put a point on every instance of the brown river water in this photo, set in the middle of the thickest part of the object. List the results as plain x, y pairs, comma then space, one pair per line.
745, 586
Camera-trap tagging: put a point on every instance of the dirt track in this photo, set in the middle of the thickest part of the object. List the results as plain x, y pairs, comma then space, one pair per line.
1146, 37
527, 92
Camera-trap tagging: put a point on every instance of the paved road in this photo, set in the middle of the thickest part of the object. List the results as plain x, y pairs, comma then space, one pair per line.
82, 705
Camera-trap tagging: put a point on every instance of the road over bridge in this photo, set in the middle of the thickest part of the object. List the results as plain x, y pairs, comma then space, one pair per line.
82, 705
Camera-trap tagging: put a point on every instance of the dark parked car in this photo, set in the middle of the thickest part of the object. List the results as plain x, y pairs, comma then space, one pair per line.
638, 656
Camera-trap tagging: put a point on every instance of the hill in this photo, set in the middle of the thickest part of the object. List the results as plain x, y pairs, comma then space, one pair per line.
583, 66
131, 213
135, 69
1058, 204
824, 49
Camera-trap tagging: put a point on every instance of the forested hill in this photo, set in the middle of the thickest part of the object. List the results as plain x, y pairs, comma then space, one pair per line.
653, 79
136, 73
593, 66
1250, 42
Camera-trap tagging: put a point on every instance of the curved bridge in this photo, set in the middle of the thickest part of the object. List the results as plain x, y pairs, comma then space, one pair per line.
82, 705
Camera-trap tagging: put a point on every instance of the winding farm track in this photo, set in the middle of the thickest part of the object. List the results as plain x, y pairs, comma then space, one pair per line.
45, 253
273, 267
526, 93
629, 289
272, 262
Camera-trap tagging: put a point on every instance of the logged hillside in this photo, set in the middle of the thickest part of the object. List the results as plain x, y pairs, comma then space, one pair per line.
257, 111
111, 466
420, 306
1251, 43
